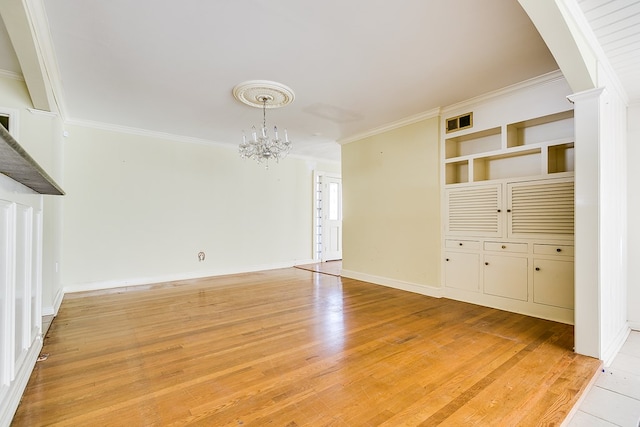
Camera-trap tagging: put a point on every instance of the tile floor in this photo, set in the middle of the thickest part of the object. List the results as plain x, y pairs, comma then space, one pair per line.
614, 399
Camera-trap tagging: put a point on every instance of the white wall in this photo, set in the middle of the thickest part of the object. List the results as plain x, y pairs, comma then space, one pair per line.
633, 201
139, 209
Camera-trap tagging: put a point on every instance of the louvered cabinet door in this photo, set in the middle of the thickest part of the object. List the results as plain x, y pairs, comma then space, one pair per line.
474, 211
541, 209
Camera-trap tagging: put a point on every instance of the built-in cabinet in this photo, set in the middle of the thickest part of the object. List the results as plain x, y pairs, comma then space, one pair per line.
20, 291
508, 215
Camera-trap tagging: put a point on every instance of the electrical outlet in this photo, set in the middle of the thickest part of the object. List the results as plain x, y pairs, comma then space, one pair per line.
201, 256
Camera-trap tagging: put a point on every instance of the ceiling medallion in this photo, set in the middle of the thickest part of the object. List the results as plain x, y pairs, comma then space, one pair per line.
252, 92
264, 94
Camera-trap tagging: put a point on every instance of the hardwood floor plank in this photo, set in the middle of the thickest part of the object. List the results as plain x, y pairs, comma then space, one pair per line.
295, 348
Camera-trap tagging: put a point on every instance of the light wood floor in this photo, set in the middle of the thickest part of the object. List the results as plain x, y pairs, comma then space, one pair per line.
295, 348
328, 267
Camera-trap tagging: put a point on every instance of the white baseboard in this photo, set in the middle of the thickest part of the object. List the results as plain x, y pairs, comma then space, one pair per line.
10, 402
52, 310
113, 284
609, 353
57, 301
431, 291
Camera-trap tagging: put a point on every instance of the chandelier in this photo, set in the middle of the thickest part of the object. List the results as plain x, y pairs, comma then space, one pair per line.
260, 145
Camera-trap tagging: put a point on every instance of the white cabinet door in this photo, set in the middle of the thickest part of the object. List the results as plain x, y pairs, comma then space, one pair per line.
540, 209
474, 211
505, 276
553, 282
462, 270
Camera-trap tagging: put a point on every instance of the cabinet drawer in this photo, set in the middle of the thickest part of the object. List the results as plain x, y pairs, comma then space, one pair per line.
505, 247
462, 244
565, 250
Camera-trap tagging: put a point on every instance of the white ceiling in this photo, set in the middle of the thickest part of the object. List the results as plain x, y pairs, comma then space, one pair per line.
616, 25
357, 65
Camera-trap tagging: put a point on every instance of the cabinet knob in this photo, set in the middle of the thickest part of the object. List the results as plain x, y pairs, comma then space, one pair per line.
460, 244
537, 268
504, 247
558, 250
499, 210
486, 263
446, 259
508, 210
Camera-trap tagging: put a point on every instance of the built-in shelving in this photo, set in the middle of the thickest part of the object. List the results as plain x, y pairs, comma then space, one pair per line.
540, 146
508, 212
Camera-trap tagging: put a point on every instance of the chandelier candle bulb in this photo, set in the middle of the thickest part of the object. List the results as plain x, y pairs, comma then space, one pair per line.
286, 137
275, 131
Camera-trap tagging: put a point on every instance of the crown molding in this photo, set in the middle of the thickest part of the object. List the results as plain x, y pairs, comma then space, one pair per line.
435, 112
11, 75
547, 78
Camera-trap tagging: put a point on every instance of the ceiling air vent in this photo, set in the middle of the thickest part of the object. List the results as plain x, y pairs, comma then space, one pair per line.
463, 121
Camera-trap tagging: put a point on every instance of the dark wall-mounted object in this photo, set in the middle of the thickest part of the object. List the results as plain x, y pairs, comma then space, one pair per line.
463, 121
18, 165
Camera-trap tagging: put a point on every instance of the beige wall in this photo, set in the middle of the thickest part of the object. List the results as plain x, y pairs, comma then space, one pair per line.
392, 206
40, 134
139, 209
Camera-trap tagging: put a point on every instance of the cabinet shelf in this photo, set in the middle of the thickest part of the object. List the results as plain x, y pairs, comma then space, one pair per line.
457, 172
507, 165
540, 130
560, 158
473, 143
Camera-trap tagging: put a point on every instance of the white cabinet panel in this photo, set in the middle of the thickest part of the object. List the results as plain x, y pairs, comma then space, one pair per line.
462, 244
462, 270
553, 282
506, 247
564, 250
7, 211
505, 276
